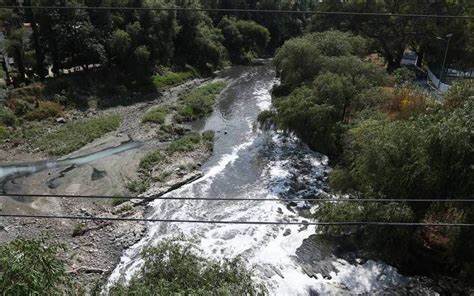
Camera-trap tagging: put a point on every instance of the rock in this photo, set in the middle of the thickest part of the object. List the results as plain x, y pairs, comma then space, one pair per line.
61, 120
287, 232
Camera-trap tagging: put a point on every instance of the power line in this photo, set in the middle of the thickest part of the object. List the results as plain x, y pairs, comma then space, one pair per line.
304, 223
236, 10
316, 200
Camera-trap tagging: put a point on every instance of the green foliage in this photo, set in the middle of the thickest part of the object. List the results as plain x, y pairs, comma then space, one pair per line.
326, 79
266, 117
186, 143
404, 75
30, 267
138, 186
393, 243
79, 229
199, 102
45, 110
243, 39
7, 117
208, 136
4, 133
72, 136
171, 78
427, 155
156, 115
174, 268
316, 124
151, 159
392, 36
118, 201
424, 156
198, 43
300, 59
459, 92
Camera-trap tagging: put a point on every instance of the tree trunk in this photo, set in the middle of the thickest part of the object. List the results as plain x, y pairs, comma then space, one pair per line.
39, 53
18, 57
419, 61
392, 65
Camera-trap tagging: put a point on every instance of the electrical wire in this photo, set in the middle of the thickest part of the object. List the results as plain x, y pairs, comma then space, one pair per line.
316, 200
235, 10
303, 223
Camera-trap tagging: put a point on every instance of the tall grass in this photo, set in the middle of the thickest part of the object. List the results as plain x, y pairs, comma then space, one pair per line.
172, 79
199, 102
74, 135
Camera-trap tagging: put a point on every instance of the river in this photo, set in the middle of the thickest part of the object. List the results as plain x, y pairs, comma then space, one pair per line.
248, 162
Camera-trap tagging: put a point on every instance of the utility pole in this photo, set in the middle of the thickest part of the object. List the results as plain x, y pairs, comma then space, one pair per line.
445, 57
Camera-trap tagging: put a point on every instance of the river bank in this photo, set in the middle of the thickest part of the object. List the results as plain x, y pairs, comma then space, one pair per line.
102, 167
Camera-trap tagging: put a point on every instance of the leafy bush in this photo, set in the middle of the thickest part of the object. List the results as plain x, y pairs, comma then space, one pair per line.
184, 144
393, 243
174, 268
265, 118
30, 267
7, 117
4, 133
45, 110
118, 201
137, 186
407, 101
316, 124
459, 92
30, 92
151, 159
208, 136
199, 102
172, 78
300, 59
156, 115
72, 136
79, 229
243, 39
404, 75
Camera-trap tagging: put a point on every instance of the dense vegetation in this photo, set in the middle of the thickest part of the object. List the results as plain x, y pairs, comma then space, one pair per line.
198, 102
390, 36
126, 46
174, 268
39, 272
74, 135
387, 140
170, 268
151, 166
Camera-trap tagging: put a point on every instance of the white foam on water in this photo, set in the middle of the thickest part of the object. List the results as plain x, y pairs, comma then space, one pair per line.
269, 249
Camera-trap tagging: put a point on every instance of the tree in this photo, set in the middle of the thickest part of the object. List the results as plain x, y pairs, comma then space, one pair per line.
174, 268
426, 155
300, 59
198, 33
325, 78
393, 35
315, 124
244, 40
15, 43
29, 267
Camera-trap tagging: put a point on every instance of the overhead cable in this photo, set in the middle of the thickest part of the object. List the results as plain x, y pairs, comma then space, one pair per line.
194, 221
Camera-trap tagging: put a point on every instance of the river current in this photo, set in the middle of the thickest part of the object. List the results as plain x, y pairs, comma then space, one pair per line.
248, 162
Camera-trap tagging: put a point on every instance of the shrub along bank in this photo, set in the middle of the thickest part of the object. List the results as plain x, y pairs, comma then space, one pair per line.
385, 142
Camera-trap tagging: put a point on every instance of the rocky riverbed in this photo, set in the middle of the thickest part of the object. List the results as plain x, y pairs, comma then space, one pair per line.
103, 167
